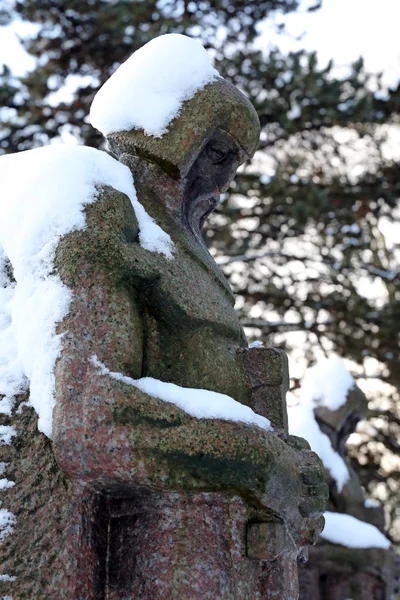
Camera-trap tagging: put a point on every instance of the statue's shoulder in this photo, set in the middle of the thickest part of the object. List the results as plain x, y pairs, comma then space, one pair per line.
59, 183
119, 238
111, 218
81, 202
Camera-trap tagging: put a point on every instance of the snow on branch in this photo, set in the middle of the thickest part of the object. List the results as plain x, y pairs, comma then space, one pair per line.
327, 383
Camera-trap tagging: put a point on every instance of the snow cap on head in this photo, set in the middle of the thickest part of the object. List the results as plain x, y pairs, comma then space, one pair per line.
147, 90
345, 418
165, 101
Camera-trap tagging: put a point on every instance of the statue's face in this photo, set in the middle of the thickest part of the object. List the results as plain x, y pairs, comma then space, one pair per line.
209, 176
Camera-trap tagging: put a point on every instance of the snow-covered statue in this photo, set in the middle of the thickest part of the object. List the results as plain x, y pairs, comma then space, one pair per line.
352, 558
162, 467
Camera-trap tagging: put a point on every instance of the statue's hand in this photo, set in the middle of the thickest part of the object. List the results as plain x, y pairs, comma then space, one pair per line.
314, 490
267, 376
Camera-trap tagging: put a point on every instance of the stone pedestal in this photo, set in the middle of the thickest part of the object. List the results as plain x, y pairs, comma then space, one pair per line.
334, 572
103, 540
194, 546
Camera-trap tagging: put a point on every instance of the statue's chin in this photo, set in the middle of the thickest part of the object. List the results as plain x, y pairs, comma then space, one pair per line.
200, 210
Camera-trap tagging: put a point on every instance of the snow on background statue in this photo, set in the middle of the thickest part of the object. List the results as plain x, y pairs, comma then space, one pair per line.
330, 397
353, 556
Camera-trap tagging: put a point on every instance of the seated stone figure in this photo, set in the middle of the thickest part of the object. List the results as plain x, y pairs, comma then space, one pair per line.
153, 502
334, 570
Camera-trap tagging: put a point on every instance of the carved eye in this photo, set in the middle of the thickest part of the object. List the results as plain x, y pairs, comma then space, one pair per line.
217, 152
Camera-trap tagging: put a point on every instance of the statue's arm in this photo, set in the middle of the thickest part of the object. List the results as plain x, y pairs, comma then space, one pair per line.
98, 265
114, 436
109, 432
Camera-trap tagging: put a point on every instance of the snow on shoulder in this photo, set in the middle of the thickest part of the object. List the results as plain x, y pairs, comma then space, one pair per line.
327, 384
43, 193
351, 532
202, 404
147, 91
302, 423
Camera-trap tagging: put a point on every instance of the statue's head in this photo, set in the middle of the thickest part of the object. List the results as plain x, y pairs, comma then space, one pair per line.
215, 131
339, 424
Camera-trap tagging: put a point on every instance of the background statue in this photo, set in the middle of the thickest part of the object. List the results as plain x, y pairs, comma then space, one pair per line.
352, 558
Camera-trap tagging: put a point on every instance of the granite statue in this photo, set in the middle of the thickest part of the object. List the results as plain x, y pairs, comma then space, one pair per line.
134, 497
335, 571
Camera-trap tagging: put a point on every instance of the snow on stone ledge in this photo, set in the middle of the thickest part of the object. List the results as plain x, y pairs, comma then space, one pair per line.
327, 383
6, 484
43, 193
256, 344
147, 91
11, 374
6, 405
202, 404
351, 532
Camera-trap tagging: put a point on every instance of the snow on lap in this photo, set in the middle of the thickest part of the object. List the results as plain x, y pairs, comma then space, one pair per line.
202, 404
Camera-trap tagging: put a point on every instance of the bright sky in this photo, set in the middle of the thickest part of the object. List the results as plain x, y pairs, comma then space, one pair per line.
342, 30
11, 51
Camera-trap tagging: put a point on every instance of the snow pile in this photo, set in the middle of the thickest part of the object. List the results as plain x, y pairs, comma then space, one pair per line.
351, 532
147, 91
7, 433
7, 522
202, 404
43, 196
327, 383
372, 503
6, 484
